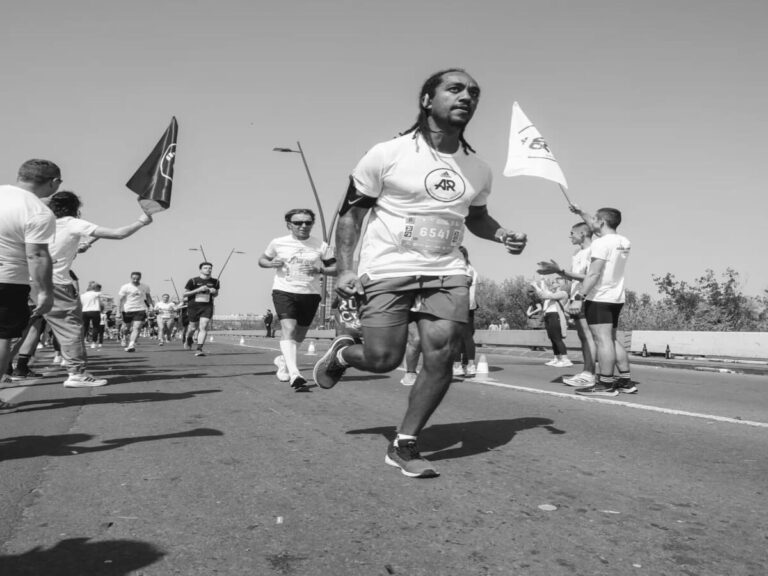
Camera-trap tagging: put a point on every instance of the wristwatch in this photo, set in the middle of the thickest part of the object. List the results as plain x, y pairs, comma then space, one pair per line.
578, 297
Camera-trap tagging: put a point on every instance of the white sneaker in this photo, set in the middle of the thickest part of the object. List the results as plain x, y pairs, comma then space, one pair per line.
6, 379
57, 359
84, 380
131, 348
63, 362
470, 370
93, 346
408, 379
552, 362
564, 363
282, 370
98, 346
579, 380
458, 369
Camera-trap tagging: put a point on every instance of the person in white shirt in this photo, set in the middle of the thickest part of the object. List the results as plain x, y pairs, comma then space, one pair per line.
134, 302
554, 297
602, 296
27, 227
464, 363
74, 235
166, 317
300, 261
420, 191
92, 310
581, 236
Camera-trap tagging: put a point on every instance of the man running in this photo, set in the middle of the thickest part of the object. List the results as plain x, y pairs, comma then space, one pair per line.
421, 190
602, 296
581, 236
200, 292
135, 301
27, 227
300, 261
166, 316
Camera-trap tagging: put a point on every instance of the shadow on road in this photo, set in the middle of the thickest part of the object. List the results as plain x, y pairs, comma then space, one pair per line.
77, 557
118, 398
472, 437
68, 444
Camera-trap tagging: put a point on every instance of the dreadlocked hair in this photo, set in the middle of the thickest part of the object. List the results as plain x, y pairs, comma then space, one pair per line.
421, 126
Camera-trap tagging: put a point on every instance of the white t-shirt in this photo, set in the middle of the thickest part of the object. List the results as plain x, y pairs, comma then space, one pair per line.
300, 257
423, 196
580, 265
165, 309
69, 233
24, 219
614, 249
90, 301
135, 297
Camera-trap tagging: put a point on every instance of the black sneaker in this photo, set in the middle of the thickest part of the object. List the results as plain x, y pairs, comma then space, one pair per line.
327, 372
626, 386
24, 374
199, 353
599, 389
299, 384
407, 458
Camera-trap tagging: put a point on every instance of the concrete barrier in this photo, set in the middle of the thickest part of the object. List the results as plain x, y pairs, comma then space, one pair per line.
730, 344
752, 345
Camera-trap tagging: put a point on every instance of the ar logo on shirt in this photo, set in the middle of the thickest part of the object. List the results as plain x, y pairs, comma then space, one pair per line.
445, 185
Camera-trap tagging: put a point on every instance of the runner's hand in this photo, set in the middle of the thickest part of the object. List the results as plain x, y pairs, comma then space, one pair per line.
277, 262
574, 307
145, 219
515, 242
348, 284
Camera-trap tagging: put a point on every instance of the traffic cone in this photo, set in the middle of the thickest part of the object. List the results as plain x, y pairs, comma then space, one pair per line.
242, 341
482, 366
311, 350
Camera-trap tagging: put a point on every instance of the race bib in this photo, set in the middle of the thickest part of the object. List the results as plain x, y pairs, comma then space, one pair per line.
432, 234
203, 297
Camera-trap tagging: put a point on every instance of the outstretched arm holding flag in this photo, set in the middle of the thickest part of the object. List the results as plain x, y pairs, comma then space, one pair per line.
154, 178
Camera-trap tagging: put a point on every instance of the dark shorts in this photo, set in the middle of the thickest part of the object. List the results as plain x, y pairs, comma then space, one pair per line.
138, 316
197, 311
299, 307
391, 301
14, 310
602, 312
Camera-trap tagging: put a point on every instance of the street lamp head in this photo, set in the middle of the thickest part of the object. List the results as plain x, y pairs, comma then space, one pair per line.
280, 149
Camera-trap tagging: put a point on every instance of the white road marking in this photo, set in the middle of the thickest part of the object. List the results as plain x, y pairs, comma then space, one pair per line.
491, 382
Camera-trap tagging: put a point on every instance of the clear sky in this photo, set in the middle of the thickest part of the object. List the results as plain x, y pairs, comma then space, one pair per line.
654, 107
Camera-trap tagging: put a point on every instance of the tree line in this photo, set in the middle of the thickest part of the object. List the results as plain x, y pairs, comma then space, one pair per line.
712, 302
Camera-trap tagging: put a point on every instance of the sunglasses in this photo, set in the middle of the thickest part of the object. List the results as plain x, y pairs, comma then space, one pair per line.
302, 222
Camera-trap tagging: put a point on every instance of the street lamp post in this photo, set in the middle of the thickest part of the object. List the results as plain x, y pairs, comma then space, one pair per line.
233, 251
324, 282
174, 287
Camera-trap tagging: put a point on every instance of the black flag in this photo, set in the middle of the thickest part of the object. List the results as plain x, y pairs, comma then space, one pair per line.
154, 178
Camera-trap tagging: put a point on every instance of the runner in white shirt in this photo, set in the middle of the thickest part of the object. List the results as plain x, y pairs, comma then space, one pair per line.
166, 316
74, 235
420, 191
602, 296
581, 236
300, 261
92, 310
135, 301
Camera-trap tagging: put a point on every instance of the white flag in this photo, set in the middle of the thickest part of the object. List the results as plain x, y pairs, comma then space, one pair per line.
529, 153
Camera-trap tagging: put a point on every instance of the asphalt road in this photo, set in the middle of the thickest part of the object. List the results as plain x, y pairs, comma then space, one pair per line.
202, 466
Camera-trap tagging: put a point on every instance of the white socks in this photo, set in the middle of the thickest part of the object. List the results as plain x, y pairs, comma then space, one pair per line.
290, 352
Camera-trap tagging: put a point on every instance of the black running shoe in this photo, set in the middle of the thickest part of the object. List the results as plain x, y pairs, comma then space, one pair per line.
626, 386
24, 374
599, 389
299, 384
327, 372
411, 463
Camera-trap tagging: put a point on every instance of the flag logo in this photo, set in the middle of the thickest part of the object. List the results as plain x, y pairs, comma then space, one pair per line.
166, 166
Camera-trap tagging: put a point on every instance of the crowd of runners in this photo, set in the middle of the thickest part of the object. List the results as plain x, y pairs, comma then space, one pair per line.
404, 282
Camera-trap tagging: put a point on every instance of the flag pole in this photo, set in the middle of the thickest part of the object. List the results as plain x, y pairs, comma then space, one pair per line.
565, 194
